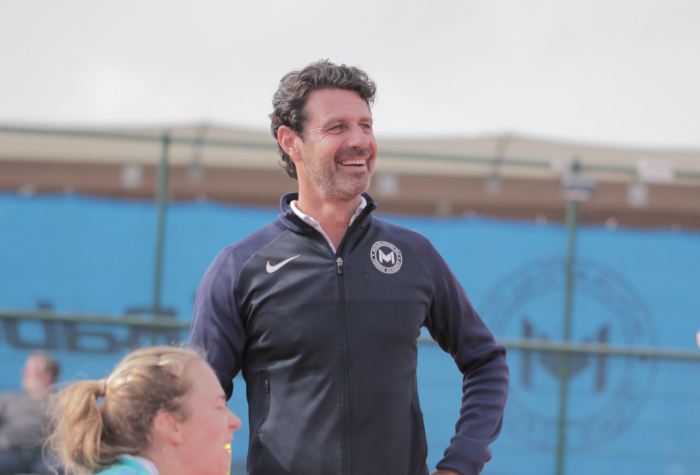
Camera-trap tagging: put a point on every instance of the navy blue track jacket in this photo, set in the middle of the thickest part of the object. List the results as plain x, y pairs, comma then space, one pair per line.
327, 345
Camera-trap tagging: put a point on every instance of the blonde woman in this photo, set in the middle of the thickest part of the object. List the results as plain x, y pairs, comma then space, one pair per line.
162, 411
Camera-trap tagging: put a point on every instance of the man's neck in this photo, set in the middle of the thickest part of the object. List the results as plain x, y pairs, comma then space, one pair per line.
332, 215
37, 394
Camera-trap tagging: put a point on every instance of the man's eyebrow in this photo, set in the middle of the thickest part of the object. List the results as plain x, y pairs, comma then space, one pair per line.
342, 119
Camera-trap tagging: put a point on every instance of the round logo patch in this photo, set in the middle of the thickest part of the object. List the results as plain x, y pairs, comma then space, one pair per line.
606, 393
386, 257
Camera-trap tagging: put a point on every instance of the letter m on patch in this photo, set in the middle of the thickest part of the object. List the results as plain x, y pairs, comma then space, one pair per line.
388, 258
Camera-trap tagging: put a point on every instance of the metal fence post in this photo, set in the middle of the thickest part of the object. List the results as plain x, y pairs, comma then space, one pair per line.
577, 188
161, 202
571, 225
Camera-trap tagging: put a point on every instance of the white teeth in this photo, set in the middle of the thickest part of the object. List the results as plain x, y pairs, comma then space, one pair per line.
353, 162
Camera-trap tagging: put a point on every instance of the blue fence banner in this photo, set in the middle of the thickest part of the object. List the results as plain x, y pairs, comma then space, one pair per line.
636, 288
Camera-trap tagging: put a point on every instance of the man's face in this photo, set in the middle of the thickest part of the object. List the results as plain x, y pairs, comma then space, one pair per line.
34, 377
339, 149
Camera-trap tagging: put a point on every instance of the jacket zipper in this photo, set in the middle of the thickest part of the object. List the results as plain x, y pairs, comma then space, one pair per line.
347, 459
339, 263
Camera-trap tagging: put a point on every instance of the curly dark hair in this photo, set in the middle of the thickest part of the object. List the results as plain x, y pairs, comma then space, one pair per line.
290, 99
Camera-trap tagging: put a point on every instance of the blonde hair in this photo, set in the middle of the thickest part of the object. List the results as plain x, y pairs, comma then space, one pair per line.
90, 436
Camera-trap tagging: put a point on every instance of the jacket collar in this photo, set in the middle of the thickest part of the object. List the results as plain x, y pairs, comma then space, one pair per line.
292, 222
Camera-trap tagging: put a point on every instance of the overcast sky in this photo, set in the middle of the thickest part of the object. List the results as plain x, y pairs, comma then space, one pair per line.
606, 72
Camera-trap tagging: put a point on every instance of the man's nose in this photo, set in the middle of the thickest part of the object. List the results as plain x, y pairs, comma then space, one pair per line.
359, 137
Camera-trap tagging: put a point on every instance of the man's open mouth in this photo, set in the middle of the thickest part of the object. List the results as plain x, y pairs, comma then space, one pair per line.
354, 163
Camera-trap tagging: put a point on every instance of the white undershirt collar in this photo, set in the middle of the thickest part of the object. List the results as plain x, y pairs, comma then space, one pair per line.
313, 223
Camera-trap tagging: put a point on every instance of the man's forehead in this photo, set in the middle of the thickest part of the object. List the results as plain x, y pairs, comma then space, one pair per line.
327, 103
35, 362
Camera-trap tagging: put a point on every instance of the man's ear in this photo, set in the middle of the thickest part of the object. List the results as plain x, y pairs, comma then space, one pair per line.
166, 427
289, 141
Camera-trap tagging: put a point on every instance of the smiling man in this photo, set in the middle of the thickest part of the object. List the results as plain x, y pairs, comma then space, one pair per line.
322, 309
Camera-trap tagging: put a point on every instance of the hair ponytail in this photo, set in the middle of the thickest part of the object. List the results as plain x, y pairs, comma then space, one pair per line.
78, 431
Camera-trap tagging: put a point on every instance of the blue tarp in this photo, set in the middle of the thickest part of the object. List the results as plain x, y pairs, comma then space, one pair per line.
626, 415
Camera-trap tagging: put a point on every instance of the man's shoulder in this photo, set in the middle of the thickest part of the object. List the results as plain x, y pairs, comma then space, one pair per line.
411, 237
231, 259
255, 240
13, 403
14, 397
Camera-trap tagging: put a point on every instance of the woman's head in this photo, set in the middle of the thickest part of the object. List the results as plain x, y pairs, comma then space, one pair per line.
197, 441
97, 421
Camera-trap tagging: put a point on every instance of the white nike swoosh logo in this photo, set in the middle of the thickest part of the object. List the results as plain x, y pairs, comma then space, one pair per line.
270, 269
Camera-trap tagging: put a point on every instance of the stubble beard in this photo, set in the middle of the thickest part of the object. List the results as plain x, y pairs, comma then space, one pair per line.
335, 185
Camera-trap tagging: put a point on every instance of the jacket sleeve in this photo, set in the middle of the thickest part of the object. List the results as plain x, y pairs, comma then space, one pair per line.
459, 330
217, 327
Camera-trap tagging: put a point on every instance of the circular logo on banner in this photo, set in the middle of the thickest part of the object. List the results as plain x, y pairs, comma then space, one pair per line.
605, 393
386, 257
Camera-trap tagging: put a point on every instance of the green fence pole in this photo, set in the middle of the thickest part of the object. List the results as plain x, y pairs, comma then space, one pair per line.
161, 202
578, 188
571, 224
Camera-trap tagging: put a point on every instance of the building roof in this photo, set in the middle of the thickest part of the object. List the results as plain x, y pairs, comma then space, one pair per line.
508, 176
